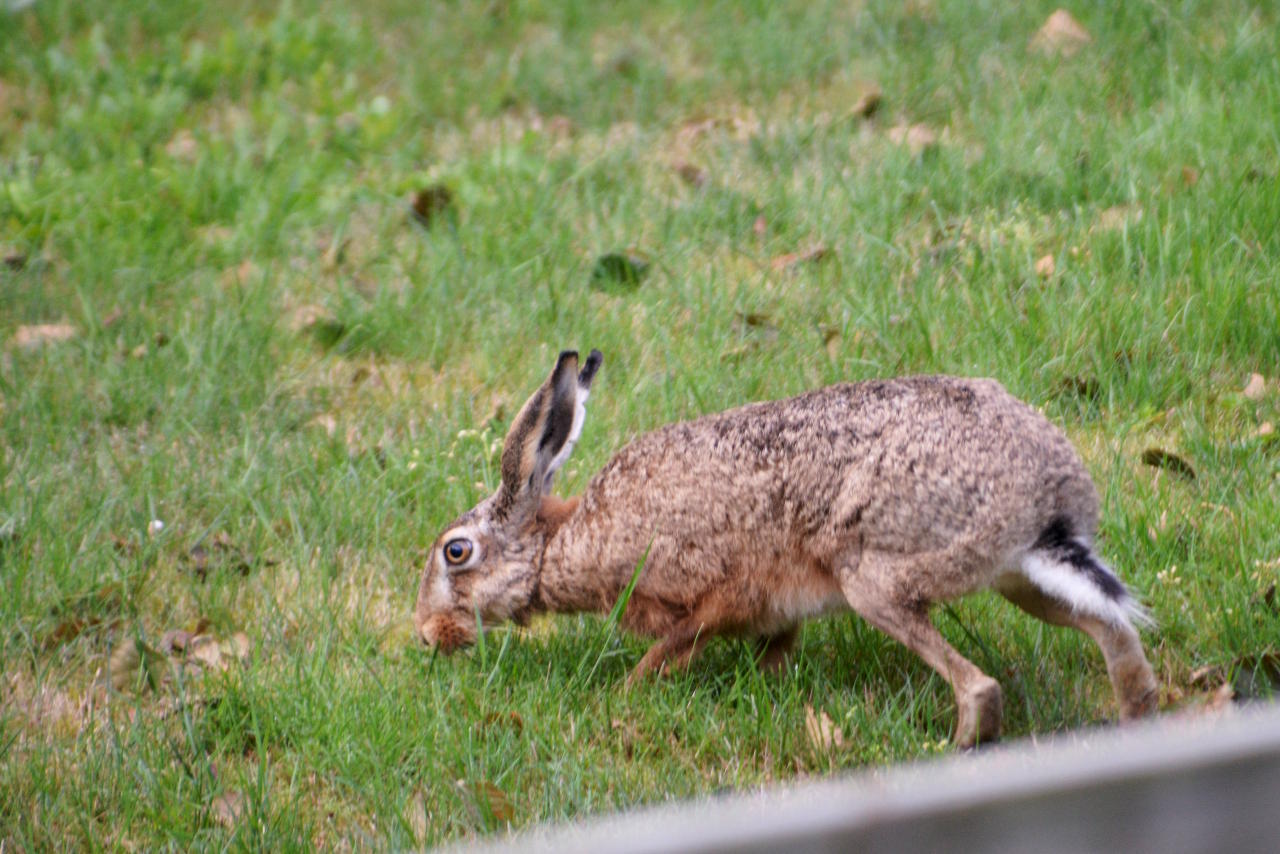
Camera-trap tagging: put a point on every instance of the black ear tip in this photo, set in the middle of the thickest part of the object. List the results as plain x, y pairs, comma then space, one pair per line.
567, 361
594, 360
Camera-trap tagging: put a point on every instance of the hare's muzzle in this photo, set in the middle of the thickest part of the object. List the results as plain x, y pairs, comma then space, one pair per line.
445, 633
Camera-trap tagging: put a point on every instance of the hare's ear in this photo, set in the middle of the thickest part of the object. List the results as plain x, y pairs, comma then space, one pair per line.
546, 429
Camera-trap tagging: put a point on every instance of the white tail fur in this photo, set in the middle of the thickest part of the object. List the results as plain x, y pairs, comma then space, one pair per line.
1068, 584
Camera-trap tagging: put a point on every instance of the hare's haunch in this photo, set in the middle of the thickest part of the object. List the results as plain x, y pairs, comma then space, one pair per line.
883, 496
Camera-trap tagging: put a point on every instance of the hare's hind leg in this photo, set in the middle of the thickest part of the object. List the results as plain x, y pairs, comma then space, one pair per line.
1061, 580
873, 590
1131, 675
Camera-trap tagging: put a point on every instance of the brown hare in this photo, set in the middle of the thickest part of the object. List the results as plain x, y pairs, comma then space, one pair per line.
884, 497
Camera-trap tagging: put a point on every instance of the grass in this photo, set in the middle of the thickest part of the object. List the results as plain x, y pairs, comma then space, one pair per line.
268, 354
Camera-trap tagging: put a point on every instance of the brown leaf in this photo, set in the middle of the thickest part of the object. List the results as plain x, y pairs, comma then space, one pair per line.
491, 802
325, 422
247, 271
511, 719
1117, 216
175, 640
228, 808
183, 146
40, 334
199, 558
238, 647
830, 340
417, 814
868, 103
1201, 677
1045, 266
1220, 701
1266, 597
335, 253
916, 137
1190, 176
215, 234
628, 735
1256, 387
67, 630
1160, 458
757, 319
430, 202
690, 173
559, 126
319, 323
205, 649
134, 664
823, 733
817, 252
126, 548
1060, 35
694, 128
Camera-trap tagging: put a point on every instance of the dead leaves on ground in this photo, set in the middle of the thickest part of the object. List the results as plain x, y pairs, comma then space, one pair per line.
917, 138
487, 804
217, 553
1045, 266
1060, 35
228, 808
39, 335
1253, 676
824, 736
691, 173
136, 666
183, 146
791, 260
1169, 461
431, 203
319, 324
868, 103
1255, 388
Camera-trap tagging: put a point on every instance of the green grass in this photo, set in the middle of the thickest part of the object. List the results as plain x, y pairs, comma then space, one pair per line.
273, 358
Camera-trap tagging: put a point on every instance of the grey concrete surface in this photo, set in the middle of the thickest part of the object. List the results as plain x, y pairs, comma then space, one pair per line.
1173, 785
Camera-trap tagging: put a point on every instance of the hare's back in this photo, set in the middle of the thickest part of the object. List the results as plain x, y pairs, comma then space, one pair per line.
917, 456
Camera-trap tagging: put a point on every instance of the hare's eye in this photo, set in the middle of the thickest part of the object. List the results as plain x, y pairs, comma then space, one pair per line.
457, 551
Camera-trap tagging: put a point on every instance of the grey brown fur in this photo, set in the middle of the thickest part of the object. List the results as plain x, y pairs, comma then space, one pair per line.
884, 497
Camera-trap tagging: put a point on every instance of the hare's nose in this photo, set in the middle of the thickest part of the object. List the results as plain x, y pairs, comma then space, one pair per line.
420, 627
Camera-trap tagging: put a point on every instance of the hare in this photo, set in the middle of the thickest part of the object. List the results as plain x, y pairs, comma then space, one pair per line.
884, 497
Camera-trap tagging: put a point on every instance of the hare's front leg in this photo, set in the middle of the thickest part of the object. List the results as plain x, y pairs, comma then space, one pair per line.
672, 653
873, 586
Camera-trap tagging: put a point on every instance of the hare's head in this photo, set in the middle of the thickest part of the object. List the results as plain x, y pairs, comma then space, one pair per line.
484, 568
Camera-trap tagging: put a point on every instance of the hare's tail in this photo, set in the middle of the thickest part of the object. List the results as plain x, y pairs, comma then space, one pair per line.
1065, 566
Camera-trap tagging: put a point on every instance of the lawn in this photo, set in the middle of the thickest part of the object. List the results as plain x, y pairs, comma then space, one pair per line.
243, 383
